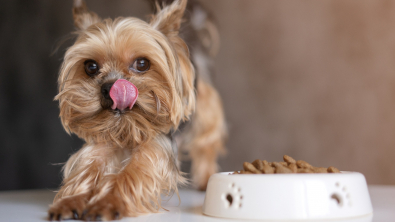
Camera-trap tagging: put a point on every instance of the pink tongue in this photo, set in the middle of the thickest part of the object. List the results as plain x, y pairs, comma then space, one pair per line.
124, 94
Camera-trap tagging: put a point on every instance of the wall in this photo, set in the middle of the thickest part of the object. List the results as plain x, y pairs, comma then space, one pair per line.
311, 79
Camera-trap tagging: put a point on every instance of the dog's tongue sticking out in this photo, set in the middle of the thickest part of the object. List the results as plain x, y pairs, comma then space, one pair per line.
124, 94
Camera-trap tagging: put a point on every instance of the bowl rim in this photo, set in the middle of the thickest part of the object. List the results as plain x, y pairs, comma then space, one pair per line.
342, 173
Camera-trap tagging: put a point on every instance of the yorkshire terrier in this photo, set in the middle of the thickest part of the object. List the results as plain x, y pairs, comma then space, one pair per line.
125, 87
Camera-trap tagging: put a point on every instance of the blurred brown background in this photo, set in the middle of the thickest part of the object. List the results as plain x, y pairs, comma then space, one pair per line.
311, 79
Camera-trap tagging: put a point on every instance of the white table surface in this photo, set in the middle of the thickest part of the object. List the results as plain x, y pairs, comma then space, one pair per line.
32, 205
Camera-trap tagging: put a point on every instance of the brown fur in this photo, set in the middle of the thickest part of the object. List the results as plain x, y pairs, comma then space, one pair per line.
205, 140
128, 161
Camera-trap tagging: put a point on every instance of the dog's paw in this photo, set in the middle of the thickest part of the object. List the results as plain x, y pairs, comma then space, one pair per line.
107, 208
201, 173
68, 208
202, 184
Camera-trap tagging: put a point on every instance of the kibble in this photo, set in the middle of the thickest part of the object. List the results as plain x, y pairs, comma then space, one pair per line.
321, 170
303, 164
333, 170
258, 164
249, 167
293, 167
289, 159
289, 165
267, 169
280, 168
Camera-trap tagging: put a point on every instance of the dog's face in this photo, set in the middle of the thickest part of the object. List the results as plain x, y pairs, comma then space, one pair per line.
125, 80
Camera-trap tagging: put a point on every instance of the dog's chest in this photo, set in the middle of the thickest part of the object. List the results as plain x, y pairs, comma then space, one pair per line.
118, 160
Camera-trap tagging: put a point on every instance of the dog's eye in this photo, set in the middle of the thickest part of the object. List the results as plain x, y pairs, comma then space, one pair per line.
141, 65
91, 67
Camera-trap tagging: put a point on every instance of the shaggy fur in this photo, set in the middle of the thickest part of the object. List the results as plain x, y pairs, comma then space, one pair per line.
128, 160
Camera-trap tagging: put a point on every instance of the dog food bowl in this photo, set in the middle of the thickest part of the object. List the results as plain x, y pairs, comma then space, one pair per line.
287, 196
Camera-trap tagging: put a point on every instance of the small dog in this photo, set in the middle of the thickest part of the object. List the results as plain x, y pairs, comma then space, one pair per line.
125, 87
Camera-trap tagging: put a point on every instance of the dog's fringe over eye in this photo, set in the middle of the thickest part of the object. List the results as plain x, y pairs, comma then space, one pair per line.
91, 67
140, 65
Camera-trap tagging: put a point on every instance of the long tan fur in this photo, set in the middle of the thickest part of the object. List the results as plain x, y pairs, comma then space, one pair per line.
128, 160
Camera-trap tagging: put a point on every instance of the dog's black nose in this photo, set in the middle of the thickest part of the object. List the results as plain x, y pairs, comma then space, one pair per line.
106, 100
105, 89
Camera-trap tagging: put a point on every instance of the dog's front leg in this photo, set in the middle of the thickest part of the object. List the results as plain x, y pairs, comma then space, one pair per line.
81, 173
136, 189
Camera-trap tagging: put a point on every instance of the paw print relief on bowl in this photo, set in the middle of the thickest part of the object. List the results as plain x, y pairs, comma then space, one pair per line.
341, 196
233, 197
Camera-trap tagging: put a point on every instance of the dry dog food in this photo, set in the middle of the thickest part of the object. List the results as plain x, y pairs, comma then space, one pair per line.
289, 165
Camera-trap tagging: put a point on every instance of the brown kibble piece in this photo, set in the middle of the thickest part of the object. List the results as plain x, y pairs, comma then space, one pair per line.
293, 167
280, 168
305, 170
249, 167
265, 163
283, 163
289, 159
333, 170
320, 170
267, 169
258, 164
303, 164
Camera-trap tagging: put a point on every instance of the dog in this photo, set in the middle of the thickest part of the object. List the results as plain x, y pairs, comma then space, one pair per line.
125, 87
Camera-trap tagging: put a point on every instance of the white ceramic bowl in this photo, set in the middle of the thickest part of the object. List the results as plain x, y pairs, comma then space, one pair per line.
287, 196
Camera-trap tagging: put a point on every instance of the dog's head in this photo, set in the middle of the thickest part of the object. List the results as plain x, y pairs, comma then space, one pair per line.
125, 80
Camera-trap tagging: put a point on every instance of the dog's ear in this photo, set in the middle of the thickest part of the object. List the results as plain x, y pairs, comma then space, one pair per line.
168, 19
83, 18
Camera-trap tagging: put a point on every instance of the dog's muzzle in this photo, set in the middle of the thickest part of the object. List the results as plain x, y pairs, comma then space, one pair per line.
122, 93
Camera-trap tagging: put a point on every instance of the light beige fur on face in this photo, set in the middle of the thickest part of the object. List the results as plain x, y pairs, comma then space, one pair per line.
115, 45
128, 162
